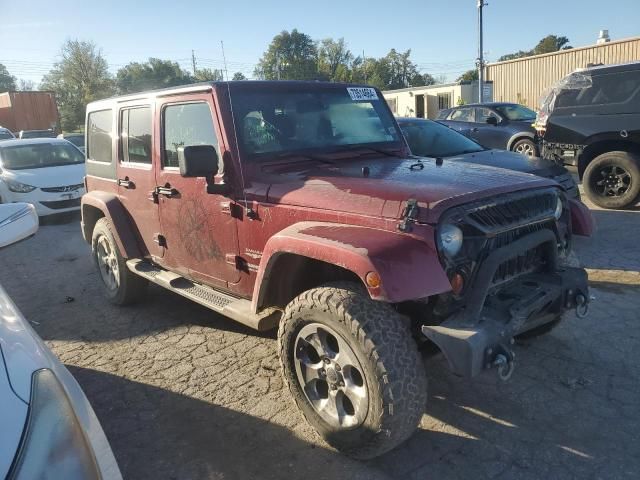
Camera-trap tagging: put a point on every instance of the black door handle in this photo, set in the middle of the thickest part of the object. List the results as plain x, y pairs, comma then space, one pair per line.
167, 191
126, 183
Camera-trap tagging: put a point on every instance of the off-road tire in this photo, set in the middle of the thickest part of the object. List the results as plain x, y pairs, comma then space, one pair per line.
131, 286
526, 147
540, 330
393, 368
629, 162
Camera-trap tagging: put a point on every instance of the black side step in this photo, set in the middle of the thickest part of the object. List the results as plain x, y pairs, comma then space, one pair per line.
238, 309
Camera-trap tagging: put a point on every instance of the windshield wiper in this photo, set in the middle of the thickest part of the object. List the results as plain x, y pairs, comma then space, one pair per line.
373, 149
307, 156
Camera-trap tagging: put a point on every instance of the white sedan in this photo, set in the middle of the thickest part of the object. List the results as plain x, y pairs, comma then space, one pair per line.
45, 172
47, 426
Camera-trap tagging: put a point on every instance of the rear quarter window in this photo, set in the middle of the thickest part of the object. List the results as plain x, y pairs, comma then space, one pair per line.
99, 136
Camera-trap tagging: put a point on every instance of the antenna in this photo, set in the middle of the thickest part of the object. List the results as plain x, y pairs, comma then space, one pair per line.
251, 215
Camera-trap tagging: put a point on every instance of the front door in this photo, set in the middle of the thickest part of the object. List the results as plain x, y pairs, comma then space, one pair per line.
136, 174
487, 134
197, 227
420, 106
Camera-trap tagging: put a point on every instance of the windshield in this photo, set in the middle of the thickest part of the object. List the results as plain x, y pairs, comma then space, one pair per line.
39, 156
516, 112
77, 140
432, 139
281, 122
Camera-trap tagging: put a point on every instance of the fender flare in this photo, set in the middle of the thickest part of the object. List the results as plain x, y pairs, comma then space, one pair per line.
111, 207
409, 268
519, 136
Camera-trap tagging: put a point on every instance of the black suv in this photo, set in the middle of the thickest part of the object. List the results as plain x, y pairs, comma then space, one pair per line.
591, 119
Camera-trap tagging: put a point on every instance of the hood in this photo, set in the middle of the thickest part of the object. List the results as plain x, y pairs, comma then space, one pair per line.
389, 184
59, 176
512, 161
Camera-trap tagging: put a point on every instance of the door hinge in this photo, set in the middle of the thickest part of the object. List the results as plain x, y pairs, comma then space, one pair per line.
160, 240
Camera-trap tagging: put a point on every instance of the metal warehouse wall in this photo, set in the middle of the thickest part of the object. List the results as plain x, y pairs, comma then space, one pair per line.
525, 79
28, 110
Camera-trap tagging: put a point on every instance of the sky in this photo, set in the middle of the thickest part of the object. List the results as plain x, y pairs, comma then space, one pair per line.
442, 34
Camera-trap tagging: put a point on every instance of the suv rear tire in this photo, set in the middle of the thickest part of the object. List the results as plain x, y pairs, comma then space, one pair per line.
122, 287
352, 368
612, 180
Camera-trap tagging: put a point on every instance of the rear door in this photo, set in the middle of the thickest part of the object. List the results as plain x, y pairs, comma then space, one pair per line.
197, 226
136, 176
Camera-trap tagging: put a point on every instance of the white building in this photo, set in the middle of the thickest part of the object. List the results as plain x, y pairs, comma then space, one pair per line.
426, 102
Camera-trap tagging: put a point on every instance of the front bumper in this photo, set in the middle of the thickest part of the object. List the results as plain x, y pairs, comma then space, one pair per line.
481, 334
49, 203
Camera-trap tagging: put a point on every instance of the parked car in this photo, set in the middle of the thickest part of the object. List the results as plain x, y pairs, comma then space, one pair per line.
505, 126
591, 119
76, 138
6, 134
49, 429
24, 134
299, 205
427, 138
47, 173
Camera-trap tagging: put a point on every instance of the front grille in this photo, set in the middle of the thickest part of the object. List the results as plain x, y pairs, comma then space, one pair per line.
512, 210
528, 262
60, 204
67, 188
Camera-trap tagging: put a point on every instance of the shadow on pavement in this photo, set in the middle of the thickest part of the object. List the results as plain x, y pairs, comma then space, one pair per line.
193, 439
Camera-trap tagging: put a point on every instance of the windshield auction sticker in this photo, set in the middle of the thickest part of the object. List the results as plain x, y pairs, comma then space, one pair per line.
360, 94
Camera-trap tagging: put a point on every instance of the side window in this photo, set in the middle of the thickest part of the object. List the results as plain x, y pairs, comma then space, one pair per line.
135, 134
186, 124
483, 113
462, 115
99, 130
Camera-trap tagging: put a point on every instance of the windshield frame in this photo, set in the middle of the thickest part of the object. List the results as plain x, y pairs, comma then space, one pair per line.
69, 146
393, 146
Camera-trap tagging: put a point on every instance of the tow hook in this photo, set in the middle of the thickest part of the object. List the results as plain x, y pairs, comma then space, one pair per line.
582, 306
503, 359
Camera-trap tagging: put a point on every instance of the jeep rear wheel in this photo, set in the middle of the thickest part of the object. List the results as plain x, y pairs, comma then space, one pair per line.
122, 287
612, 180
352, 368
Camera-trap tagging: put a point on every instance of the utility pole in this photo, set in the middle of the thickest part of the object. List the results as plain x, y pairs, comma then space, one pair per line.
278, 65
480, 60
364, 66
193, 61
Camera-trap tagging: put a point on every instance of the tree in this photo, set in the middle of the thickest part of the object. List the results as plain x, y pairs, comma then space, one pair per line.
290, 56
239, 76
550, 43
25, 85
334, 59
80, 77
468, 76
208, 75
155, 73
7, 81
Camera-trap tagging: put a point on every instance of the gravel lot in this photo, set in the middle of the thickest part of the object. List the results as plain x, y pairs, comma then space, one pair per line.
183, 393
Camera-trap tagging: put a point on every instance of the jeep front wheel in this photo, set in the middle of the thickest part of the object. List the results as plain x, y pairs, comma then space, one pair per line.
352, 368
122, 287
612, 180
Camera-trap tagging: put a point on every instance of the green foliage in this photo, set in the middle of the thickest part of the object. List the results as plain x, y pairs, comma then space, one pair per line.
291, 56
7, 81
468, 76
334, 60
460, 101
208, 75
155, 73
549, 44
239, 76
80, 77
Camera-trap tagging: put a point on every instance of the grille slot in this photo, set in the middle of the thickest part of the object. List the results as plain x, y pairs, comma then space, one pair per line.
510, 212
67, 188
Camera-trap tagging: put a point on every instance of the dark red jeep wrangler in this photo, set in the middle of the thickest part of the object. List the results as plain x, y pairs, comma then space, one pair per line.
297, 205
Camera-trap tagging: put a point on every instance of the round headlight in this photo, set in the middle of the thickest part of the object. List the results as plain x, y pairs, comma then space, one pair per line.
559, 208
450, 239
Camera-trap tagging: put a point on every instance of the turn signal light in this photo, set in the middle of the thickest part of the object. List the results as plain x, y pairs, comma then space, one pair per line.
372, 279
457, 283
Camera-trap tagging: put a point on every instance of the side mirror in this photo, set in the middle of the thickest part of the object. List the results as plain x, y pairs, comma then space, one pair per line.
17, 222
198, 161
491, 120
